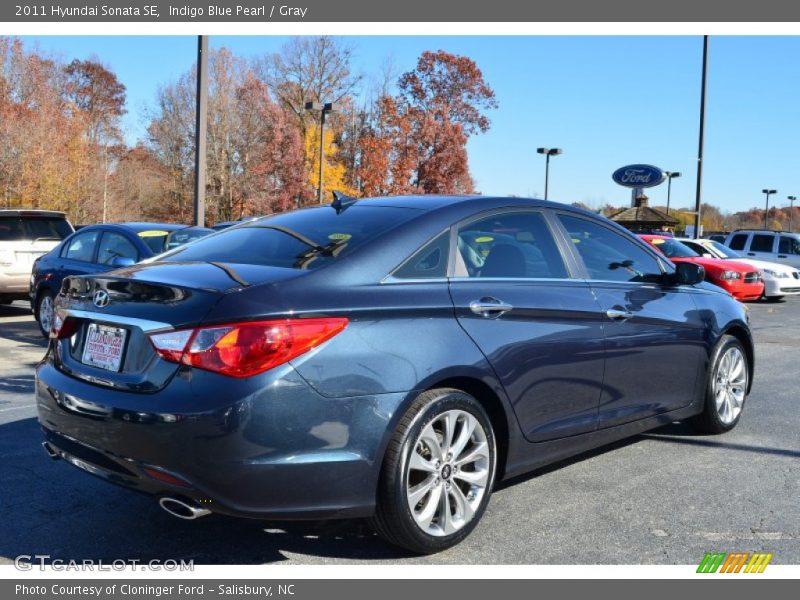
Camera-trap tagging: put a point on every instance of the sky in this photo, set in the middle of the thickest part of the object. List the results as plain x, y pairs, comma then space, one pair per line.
607, 101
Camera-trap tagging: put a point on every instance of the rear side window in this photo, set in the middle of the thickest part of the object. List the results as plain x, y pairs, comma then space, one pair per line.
762, 242
514, 245
115, 245
608, 255
738, 241
788, 245
16, 228
304, 239
429, 262
81, 247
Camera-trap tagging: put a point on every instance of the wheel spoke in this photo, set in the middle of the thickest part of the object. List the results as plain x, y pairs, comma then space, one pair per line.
463, 507
467, 427
448, 429
476, 452
425, 516
431, 440
416, 493
475, 477
445, 518
418, 463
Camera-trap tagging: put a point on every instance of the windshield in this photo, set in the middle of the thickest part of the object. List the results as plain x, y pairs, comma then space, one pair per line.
303, 239
14, 229
155, 239
674, 248
724, 250
184, 236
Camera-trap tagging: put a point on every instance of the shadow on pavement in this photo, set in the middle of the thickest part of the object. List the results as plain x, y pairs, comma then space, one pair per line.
52, 508
679, 433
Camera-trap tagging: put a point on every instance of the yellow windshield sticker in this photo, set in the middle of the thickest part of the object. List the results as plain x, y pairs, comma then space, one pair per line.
339, 236
576, 241
658, 241
153, 233
484, 239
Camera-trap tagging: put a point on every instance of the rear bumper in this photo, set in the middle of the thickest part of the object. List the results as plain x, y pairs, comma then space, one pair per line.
276, 450
15, 283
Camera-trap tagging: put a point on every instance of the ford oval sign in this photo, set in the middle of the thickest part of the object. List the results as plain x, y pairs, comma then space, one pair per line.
638, 176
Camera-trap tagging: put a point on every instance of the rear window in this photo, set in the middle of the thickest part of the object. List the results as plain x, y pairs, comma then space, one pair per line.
304, 239
155, 239
13, 229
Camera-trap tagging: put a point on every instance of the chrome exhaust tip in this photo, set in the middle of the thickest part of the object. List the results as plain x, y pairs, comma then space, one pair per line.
182, 510
51, 452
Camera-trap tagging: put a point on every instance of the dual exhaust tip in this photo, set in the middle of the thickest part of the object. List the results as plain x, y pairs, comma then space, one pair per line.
174, 506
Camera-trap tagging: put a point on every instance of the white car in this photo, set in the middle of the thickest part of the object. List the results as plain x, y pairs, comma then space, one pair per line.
24, 236
779, 280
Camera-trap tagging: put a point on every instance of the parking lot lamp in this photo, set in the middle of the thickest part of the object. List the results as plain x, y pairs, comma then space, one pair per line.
766, 205
791, 200
548, 152
324, 109
670, 175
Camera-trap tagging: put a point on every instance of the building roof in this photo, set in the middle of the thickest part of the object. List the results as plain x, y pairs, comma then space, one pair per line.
642, 215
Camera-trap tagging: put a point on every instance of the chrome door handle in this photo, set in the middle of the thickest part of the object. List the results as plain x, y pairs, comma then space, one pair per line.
618, 315
491, 308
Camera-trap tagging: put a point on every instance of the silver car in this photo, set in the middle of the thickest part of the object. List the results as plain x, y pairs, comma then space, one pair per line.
24, 236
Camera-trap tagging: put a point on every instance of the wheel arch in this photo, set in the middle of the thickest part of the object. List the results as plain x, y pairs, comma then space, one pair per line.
742, 333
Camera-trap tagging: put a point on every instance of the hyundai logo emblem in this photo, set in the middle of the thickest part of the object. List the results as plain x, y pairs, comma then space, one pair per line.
101, 299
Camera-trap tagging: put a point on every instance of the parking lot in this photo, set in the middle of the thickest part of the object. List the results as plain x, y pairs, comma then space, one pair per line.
665, 497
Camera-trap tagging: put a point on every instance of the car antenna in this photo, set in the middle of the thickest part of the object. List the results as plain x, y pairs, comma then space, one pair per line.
341, 202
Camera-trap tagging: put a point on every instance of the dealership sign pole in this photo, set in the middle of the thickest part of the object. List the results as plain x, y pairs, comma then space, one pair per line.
201, 126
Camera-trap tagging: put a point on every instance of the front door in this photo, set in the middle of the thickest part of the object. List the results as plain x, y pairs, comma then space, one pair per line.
539, 328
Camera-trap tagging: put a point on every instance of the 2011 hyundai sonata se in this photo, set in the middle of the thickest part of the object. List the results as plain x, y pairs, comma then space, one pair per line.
389, 358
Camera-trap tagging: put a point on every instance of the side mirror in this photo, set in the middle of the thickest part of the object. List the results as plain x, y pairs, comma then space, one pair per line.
122, 261
687, 273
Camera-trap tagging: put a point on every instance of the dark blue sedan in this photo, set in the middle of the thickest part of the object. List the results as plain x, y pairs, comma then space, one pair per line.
99, 248
388, 358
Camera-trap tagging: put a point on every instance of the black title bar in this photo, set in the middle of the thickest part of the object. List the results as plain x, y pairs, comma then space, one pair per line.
464, 11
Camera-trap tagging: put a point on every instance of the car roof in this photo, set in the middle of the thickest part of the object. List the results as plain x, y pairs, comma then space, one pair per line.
31, 212
136, 227
433, 202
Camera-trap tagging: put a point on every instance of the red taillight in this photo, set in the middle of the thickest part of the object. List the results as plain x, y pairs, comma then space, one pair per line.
245, 349
63, 328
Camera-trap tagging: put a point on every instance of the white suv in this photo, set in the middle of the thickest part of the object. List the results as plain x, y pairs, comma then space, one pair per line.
779, 280
24, 236
774, 246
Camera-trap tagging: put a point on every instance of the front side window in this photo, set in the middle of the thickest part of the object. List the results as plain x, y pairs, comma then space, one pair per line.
739, 241
608, 255
81, 247
762, 242
115, 245
788, 245
515, 245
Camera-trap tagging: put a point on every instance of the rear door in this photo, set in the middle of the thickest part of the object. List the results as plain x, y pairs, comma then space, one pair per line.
789, 251
653, 332
539, 327
762, 246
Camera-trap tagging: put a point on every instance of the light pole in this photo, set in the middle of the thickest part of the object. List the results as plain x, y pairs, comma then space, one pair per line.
548, 152
670, 175
324, 109
791, 200
766, 206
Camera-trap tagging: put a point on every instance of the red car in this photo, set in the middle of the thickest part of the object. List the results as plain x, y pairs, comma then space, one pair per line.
740, 280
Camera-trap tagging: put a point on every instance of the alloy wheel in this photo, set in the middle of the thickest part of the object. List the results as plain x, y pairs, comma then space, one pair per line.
730, 384
448, 473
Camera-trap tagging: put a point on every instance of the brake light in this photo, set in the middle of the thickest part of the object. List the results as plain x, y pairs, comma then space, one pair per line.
63, 328
245, 349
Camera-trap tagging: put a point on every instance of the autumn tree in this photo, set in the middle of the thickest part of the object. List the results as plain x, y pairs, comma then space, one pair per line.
420, 135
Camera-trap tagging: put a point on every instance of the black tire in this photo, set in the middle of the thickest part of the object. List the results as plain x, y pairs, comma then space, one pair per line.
774, 298
43, 294
6, 299
710, 420
393, 518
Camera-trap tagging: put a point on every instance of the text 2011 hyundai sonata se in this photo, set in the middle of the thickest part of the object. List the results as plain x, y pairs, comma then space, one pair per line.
389, 358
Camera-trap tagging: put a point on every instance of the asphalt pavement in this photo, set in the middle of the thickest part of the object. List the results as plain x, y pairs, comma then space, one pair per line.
665, 497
